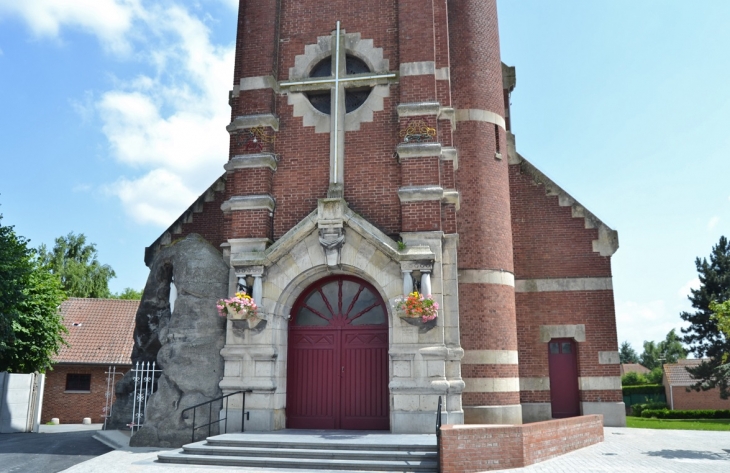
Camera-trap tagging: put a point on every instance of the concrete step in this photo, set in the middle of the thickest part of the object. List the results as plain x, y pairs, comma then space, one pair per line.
179, 457
220, 441
201, 448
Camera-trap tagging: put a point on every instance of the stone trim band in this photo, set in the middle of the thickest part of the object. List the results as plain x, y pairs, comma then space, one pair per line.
476, 115
491, 385
486, 276
585, 383
249, 202
424, 68
489, 357
564, 284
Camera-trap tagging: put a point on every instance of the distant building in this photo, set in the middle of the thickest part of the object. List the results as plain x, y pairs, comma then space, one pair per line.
634, 368
100, 338
677, 380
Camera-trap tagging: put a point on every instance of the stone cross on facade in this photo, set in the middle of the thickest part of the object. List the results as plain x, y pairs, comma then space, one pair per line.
336, 84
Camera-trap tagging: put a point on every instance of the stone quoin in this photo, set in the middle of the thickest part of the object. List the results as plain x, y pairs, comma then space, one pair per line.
371, 154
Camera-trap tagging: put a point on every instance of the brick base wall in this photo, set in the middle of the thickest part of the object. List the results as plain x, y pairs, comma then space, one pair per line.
692, 400
471, 448
72, 407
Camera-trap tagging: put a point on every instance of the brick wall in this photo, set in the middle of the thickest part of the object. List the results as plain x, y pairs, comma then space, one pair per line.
692, 400
471, 448
72, 407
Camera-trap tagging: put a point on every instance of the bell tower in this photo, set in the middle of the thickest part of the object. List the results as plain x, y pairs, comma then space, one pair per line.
382, 123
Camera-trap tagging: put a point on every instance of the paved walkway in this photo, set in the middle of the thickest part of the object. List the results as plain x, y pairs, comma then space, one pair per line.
624, 450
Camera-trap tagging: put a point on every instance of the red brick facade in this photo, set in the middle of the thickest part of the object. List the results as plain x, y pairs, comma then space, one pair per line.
466, 449
72, 406
509, 222
683, 400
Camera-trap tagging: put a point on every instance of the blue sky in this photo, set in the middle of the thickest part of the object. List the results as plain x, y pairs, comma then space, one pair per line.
114, 112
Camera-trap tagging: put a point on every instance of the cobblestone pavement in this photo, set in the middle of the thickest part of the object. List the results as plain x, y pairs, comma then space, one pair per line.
645, 450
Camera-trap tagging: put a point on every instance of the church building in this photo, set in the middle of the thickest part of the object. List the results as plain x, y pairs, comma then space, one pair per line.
371, 156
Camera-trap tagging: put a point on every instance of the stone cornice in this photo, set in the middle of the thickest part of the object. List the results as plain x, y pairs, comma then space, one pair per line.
249, 202
420, 193
244, 122
418, 150
259, 160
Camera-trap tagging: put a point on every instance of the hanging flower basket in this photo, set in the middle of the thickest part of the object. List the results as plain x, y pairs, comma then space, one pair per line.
239, 307
416, 306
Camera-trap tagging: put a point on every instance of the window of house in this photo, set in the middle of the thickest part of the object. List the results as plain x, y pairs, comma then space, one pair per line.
78, 382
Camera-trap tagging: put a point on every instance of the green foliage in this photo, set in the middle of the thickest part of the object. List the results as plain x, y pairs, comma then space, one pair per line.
38, 330
667, 351
655, 376
643, 389
704, 336
74, 261
128, 294
694, 414
401, 245
627, 354
633, 379
637, 409
30, 324
15, 269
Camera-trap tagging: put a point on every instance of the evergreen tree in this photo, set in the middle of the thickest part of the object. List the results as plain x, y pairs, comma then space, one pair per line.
627, 354
74, 261
703, 336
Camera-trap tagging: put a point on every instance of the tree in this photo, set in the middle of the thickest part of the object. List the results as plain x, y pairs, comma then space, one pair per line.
703, 336
668, 350
15, 269
129, 294
627, 354
74, 261
38, 330
30, 323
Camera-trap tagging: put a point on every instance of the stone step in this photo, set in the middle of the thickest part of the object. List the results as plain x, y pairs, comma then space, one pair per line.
201, 448
179, 457
253, 443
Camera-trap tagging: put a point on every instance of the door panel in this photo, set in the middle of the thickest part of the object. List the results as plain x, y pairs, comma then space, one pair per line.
313, 404
365, 380
563, 365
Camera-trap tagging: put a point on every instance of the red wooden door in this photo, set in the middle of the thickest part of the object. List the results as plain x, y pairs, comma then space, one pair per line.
337, 370
563, 378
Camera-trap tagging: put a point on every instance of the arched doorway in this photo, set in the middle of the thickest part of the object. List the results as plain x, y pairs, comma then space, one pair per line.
563, 365
337, 362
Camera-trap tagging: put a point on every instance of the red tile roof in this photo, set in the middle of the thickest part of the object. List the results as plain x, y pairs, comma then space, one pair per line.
677, 374
100, 331
633, 368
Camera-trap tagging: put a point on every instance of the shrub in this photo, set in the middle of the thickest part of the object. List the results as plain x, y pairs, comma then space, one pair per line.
643, 389
633, 379
638, 409
695, 414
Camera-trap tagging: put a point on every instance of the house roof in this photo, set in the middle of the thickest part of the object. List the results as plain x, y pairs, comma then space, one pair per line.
677, 375
633, 368
100, 331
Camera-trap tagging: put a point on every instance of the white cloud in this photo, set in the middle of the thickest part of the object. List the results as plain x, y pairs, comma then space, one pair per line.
640, 321
713, 222
684, 291
172, 124
108, 20
162, 192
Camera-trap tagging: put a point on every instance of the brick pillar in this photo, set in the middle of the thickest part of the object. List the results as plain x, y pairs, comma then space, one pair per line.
249, 205
421, 191
486, 274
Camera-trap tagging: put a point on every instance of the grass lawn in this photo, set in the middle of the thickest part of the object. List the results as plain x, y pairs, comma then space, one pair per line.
678, 424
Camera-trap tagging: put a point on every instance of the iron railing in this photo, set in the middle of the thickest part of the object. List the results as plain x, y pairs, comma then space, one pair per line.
244, 413
438, 435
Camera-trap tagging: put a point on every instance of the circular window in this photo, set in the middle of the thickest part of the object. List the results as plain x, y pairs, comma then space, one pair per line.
354, 97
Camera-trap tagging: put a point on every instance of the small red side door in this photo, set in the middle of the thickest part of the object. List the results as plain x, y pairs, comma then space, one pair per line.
563, 378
